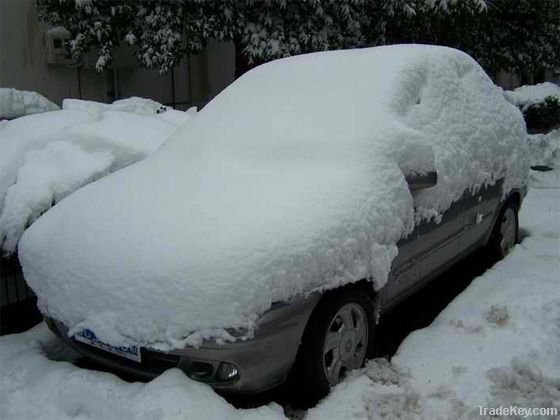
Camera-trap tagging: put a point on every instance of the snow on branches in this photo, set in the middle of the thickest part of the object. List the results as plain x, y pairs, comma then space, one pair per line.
162, 32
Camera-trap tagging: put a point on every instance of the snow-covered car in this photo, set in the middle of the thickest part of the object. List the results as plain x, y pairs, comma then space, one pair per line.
312, 195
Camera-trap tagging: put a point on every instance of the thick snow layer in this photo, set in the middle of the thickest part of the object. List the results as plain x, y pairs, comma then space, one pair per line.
544, 149
134, 105
498, 343
19, 136
290, 180
16, 103
38, 382
46, 177
525, 96
48, 156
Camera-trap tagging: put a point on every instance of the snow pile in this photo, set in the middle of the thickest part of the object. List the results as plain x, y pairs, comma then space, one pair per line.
525, 96
134, 105
37, 382
292, 180
19, 136
16, 103
498, 343
544, 149
48, 156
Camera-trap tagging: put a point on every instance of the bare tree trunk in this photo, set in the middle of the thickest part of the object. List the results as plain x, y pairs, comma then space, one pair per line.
242, 64
524, 78
538, 75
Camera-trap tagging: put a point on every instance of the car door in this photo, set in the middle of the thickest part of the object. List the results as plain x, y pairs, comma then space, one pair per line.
480, 209
430, 247
438, 241
404, 271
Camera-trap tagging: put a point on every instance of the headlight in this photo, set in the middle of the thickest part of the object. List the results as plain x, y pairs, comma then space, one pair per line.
227, 372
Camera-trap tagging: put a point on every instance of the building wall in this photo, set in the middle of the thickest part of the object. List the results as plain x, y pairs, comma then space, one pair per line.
22, 50
511, 81
23, 65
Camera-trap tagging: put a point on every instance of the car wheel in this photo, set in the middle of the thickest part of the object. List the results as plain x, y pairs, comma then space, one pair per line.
506, 231
337, 339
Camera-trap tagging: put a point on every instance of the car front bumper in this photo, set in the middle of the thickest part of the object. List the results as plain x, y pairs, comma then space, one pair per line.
262, 362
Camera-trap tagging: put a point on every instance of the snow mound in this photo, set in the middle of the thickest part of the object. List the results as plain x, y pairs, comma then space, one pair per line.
496, 344
19, 136
16, 103
38, 382
527, 95
292, 180
46, 177
544, 149
48, 156
134, 105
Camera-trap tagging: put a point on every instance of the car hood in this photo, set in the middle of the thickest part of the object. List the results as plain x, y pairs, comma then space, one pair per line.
202, 243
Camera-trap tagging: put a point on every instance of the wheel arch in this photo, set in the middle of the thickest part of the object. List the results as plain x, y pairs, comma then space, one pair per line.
514, 197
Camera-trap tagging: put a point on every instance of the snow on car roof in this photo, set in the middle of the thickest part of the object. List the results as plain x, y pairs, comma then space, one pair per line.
289, 181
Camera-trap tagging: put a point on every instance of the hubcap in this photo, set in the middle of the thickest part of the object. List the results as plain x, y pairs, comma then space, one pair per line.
345, 344
508, 230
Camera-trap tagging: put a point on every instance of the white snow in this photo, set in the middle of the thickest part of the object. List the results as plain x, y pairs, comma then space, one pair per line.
290, 180
134, 105
19, 136
527, 95
16, 103
48, 156
498, 343
46, 177
38, 382
544, 149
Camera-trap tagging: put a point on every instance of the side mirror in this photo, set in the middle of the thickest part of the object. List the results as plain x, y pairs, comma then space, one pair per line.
421, 181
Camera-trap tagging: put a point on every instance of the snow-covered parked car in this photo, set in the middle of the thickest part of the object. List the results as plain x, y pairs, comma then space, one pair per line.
312, 195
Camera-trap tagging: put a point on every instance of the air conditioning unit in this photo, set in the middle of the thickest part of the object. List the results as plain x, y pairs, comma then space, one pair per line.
58, 51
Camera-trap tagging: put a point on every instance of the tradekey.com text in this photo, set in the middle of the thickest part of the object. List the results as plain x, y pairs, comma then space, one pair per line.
514, 410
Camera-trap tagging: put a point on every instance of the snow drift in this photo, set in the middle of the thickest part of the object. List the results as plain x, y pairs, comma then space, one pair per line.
48, 156
527, 95
291, 181
16, 103
544, 149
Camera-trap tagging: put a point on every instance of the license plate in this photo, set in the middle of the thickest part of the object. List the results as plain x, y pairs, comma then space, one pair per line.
129, 352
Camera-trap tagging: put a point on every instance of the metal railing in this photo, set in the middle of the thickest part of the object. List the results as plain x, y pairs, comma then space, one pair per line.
13, 288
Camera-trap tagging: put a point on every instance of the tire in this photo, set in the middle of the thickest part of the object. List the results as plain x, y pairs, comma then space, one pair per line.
315, 369
505, 233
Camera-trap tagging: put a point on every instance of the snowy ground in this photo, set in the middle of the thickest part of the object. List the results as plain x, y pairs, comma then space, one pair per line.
544, 149
498, 343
